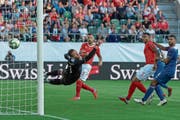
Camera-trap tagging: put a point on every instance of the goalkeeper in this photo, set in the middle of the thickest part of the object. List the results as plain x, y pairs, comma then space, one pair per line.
73, 68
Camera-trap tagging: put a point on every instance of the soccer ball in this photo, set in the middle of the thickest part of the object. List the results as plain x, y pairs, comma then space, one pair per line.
14, 43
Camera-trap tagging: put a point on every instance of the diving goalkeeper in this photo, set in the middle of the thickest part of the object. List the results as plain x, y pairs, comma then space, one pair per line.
73, 68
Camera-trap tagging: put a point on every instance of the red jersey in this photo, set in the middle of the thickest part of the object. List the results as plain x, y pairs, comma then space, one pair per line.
86, 49
99, 2
53, 16
149, 53
164, 25
87, 2
155, 25
118, 2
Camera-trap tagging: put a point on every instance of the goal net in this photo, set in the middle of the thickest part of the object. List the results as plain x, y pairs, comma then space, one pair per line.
19, 67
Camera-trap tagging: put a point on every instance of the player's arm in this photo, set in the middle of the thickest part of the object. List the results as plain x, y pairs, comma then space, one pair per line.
74, 61
99, 57
85, 59
66, 56
161, 46
166, 60
157, 57
89, 56
169, 56
100, 60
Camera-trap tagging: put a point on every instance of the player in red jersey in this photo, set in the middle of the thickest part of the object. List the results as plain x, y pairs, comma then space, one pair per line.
151, 54
86, 67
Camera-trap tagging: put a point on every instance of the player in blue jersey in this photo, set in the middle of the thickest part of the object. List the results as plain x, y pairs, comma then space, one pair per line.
165, 75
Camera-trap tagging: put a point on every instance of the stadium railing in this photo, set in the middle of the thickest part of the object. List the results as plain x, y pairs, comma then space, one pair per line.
126, 38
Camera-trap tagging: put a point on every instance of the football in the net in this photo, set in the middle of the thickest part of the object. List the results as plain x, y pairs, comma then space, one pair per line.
14, 43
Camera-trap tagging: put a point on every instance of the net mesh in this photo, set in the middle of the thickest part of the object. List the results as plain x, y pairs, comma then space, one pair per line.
18, 70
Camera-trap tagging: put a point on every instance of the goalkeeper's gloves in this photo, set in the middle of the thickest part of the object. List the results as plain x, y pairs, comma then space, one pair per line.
66, 56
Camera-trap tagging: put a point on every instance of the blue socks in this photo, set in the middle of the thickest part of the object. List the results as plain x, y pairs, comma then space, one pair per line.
159, 92
148, 93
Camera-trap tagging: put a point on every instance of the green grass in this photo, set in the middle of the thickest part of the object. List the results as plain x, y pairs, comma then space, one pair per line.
107, 107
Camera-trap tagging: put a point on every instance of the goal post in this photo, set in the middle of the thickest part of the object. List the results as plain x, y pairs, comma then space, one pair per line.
21, 80
40, 63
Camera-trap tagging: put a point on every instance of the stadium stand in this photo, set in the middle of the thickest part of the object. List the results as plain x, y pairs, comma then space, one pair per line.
63, 19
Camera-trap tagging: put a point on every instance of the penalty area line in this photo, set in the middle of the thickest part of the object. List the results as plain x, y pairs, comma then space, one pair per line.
55, 117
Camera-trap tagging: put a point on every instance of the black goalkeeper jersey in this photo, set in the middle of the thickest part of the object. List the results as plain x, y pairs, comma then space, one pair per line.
73, 68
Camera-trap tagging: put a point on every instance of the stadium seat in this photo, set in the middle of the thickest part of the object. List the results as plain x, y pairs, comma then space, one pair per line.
118, 29
142, 20
160, 38
133, 21
97, 22
67, 14
61, 19
115, 22
92, 30
123, 21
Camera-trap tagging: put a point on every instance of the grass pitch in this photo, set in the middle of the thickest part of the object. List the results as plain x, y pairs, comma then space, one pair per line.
107, 107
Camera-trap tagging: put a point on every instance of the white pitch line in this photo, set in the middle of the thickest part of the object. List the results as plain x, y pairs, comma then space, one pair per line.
55, 117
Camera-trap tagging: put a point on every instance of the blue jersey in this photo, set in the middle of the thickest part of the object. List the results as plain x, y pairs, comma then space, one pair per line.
170, 67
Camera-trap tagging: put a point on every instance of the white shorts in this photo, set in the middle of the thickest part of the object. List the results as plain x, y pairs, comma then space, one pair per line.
86, 68
145, 72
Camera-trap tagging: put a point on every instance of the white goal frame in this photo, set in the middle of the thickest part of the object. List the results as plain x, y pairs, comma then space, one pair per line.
40, 62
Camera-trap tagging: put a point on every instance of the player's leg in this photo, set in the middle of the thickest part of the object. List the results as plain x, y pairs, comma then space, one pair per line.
169, 89
149, 93
160, 67
142, 74
86, 70
136, 83
150, 90
80, 84
163, 101
163, 80
159, 92
154, 85
131, 90
78, 89
92, 90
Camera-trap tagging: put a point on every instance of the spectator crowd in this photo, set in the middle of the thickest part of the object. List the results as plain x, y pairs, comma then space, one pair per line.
73, 20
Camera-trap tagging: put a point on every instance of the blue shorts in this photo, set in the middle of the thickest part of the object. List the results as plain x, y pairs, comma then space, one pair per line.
163, 77
160, 66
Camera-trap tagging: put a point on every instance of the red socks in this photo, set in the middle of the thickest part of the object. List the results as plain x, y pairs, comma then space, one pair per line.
132, 88
79, 85
86, 87
141, 87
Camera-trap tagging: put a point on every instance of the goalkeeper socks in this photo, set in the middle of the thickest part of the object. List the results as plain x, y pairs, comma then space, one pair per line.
148, 93
159, 92
86, 87
79, 84
131, 90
